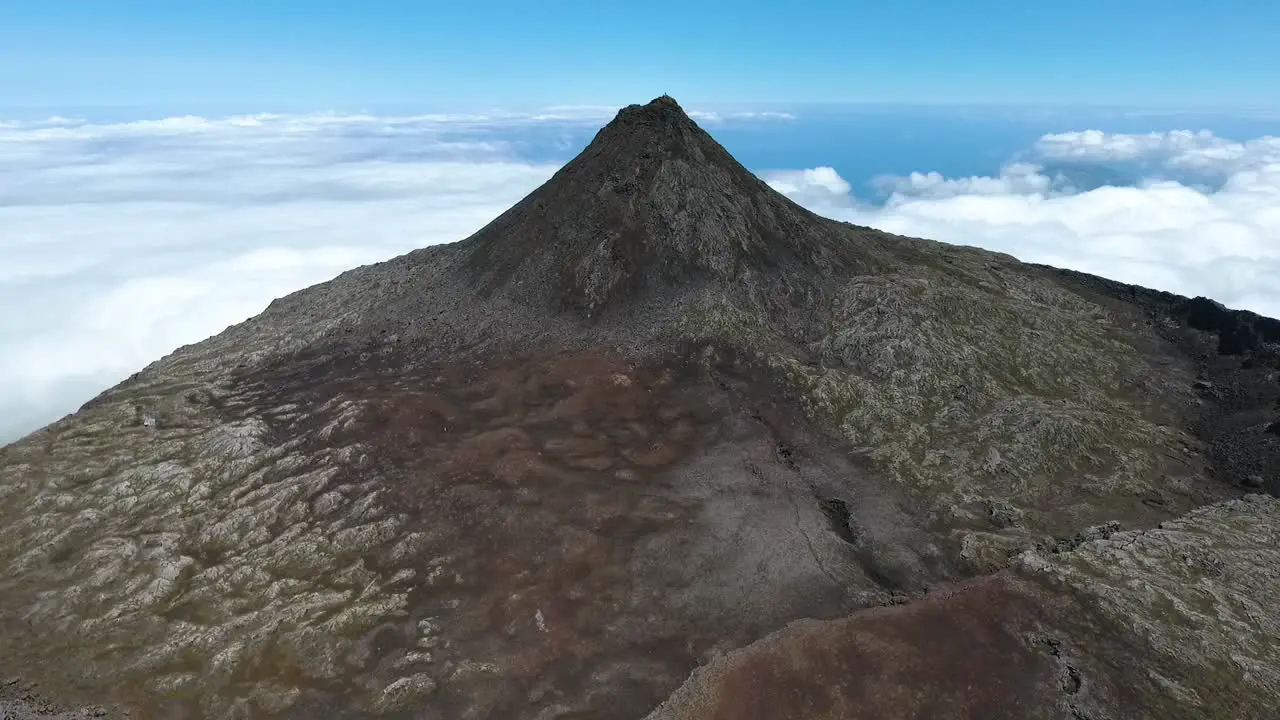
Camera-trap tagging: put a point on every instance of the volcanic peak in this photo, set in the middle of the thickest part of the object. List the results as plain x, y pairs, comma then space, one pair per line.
652, 205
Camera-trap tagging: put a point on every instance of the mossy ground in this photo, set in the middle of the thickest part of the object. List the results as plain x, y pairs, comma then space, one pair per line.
1001, 390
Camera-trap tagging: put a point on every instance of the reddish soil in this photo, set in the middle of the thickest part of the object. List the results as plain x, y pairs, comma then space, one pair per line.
972, 652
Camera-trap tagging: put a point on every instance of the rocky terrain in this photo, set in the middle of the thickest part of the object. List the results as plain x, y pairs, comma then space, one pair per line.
657, 442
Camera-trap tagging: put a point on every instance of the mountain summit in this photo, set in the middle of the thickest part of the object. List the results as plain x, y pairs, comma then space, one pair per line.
657, 442
652, 204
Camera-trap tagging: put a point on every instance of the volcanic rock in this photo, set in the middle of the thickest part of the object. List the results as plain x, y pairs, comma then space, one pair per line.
659, 440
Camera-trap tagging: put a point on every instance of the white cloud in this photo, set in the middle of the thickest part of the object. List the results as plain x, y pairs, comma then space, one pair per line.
1015, 178
123, 241
819, 182
711, 116
820, 189
1096, 145
1200, 151
1222, 242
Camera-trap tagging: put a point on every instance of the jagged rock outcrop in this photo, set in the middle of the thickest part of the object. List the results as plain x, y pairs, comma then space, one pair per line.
653, 414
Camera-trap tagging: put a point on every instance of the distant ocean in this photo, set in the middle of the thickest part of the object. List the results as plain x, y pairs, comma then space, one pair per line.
862, 143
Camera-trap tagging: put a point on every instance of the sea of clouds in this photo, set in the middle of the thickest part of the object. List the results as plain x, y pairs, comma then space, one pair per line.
1203, 220
120, 242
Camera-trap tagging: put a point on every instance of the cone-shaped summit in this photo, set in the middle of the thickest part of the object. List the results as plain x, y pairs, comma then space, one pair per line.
658, 440
653, 203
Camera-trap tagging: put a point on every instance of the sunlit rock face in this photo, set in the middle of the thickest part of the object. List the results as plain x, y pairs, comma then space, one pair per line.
657, 440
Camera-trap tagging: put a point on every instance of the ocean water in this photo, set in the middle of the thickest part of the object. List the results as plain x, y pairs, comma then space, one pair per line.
861, 142
865, 142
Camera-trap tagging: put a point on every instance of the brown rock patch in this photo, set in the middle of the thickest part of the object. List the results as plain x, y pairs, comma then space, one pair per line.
963, 653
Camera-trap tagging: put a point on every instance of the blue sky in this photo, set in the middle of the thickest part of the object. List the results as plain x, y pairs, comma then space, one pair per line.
322, 54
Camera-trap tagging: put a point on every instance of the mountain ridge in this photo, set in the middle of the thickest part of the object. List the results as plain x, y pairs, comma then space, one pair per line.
652, 417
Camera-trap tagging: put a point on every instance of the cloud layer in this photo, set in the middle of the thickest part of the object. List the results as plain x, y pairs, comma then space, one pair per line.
122, 241
1215, 232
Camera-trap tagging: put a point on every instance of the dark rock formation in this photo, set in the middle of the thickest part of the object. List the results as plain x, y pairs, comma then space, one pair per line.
1238, 331
652, 207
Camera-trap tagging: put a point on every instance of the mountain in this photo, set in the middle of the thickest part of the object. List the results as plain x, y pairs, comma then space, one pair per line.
658, 442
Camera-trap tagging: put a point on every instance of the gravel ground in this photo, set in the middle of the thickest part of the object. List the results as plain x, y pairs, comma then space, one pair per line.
23, 701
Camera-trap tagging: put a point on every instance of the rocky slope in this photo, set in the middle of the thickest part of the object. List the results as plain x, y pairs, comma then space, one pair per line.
1168, 622
658, 420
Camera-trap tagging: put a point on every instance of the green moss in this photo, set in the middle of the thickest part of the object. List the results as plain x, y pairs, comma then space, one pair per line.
1000, 387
